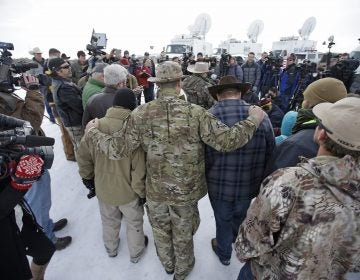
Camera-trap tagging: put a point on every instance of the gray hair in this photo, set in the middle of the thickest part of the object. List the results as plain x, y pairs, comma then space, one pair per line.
114, 74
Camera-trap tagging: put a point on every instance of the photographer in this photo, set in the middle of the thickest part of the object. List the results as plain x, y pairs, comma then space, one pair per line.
31, 240
32, 109
23, 159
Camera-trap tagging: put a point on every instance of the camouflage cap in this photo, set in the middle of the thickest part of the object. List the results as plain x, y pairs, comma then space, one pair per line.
167, 71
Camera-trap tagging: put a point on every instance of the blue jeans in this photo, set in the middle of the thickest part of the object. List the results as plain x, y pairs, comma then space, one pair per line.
245, 272
39, 199
228, 217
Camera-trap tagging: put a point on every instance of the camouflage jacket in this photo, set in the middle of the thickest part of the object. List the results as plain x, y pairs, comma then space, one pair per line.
172, 132
305, 222
196, 91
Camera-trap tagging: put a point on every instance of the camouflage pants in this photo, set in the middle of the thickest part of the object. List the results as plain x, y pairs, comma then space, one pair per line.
173, 229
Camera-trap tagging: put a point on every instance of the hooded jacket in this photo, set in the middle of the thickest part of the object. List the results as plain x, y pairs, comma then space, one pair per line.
305, 223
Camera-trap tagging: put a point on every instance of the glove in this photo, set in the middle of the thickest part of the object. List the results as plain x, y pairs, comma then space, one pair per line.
142, 201
27, 171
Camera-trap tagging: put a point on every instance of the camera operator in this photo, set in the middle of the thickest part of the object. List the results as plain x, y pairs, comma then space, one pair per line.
39, 197
344, 70
31, 240
13, 260
289, 79
44, 80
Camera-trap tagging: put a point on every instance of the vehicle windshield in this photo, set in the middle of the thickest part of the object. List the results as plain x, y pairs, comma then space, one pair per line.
355, 55
180, 49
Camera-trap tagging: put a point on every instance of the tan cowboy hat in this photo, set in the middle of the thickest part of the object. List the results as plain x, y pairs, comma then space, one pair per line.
228, 82
198, 67
35, 50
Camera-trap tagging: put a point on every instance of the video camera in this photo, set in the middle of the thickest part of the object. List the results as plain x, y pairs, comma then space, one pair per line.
307, 68
343, 70
8, 68
16, 140
275, 62
97, 43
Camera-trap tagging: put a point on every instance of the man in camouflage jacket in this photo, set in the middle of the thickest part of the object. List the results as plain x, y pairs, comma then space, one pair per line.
305, 223
172, 132
196, 85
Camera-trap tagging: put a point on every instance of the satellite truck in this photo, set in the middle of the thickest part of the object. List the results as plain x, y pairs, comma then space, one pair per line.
193, 42
237, 47
301, 46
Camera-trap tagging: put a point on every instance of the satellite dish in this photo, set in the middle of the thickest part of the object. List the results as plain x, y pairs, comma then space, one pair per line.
255, 28
307, 28
201, 26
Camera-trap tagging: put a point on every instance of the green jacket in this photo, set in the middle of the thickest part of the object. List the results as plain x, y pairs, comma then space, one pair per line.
173, 133
117, 182
91, 87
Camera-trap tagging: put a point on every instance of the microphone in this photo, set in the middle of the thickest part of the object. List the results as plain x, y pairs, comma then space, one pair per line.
37, 141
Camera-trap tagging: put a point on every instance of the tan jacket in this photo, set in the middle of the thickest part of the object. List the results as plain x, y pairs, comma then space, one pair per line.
117, 182
31, 109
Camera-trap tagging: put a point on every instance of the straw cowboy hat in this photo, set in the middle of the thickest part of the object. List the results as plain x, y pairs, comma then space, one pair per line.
227, 82
35, 50
198, 67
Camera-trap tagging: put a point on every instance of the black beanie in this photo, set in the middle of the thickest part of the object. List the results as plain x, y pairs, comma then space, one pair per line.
125, 98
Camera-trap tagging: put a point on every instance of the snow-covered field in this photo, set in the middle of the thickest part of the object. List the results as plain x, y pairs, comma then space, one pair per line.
86, 258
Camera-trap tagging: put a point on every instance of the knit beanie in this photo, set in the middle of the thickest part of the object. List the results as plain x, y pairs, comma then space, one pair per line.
325, 90
125, 98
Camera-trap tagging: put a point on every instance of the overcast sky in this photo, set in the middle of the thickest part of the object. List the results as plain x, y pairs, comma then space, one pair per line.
137, 24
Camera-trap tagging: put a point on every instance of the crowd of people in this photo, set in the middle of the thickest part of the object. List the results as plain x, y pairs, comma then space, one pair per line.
283, 180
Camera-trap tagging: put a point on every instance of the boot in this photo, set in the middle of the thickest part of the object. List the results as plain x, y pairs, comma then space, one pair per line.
38, 271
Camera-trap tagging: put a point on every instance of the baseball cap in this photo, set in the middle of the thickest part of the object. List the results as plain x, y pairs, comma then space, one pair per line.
340, 120
55, 63
99, 67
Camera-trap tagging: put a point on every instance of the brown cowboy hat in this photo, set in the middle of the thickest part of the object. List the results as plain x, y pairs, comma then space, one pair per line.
228, 82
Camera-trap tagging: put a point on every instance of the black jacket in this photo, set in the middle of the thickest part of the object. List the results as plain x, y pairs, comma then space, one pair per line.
13, 261
98, 104
288, 152
16, 244
67, 97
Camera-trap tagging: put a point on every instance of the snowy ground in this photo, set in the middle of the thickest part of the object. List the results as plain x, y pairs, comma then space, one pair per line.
86, 258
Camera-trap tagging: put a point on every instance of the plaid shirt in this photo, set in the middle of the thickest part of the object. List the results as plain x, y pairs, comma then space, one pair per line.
237, 175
